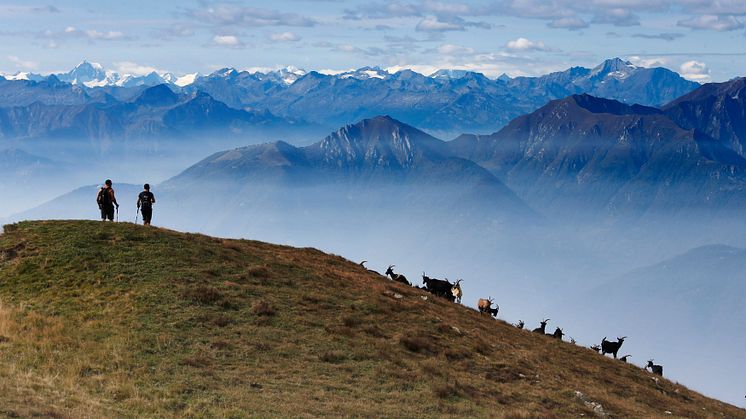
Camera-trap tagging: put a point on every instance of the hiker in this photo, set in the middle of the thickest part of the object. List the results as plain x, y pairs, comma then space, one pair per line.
106, 201
145, 202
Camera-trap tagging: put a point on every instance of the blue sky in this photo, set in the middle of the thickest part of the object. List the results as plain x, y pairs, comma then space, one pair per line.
702, 39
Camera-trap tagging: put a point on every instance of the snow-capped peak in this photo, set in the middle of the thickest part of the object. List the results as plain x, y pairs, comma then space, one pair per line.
186, 79
449, 74
365, 73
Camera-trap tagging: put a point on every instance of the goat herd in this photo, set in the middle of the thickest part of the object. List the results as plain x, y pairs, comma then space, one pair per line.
453, 293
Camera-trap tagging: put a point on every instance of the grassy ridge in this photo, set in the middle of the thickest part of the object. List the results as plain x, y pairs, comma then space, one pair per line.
120, 320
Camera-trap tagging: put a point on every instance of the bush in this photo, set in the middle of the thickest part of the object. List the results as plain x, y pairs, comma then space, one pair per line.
333, 357
263, 308
444, 390
204, 294
420, 344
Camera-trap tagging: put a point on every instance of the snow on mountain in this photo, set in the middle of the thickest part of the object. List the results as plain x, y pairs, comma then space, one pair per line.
615, 68
365, 73
23, 75
445, 74
185, 80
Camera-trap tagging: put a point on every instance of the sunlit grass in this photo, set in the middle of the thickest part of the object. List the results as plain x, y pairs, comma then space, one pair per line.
100, 320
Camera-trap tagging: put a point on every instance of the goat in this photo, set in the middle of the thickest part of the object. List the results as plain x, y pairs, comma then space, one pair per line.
485, 306
609, 347
596, 348
542, 329
656, 369
624, 358
396, 277
369, 270
520, 324
572, 340
439, 287
456, 291
558, 333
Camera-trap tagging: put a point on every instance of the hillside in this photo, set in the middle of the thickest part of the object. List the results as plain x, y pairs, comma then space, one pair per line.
113, 319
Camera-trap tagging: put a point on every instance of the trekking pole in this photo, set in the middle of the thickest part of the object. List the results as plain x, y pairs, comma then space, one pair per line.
138, 214
117, 214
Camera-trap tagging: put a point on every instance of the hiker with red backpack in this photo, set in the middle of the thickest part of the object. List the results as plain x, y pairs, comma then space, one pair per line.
107, 201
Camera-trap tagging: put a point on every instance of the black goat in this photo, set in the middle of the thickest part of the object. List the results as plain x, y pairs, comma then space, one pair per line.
520, 324
369, 270
609, 347
624, 358
542, 329
558, 333
656, 369
396, 277
439, 287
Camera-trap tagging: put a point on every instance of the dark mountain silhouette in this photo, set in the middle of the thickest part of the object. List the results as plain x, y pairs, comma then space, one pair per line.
607, 155
717, 109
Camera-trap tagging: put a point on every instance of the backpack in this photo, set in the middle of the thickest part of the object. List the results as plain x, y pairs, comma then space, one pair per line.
146, 200
103, 198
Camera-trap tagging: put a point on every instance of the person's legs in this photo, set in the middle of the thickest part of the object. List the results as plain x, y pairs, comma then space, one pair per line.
147, 215
110, 213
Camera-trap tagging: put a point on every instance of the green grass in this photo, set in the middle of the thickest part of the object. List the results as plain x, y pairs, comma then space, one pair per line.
101, 320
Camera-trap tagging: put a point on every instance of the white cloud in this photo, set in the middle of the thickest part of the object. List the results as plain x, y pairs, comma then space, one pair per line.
451, 49
648, 62
695, 70
227, 41
523, 44
71, 32
234, 14
284, 37
128, 67
712, 22
433, 24
29, 65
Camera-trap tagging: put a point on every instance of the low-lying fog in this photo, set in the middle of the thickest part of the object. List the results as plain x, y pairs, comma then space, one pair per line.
593, 279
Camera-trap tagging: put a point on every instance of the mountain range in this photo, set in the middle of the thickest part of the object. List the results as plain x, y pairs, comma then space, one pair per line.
607, 155
445, 103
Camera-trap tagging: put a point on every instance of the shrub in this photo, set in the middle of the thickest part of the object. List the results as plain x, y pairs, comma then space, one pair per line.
204, 294
263, 308
420, 344
333, 357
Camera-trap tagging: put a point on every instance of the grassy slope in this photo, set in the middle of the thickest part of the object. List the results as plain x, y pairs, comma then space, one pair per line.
115, 319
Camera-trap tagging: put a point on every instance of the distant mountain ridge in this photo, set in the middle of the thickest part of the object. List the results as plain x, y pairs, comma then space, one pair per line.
447, 102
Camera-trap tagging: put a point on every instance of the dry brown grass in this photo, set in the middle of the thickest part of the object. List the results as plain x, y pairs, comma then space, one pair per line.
221, 328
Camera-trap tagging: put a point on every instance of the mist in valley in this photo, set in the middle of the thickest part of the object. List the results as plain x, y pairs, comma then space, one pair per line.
584, 269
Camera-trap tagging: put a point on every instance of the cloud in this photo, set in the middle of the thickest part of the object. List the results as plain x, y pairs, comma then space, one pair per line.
227, 41
523, 44
571, 23
712, 22
454, 50
25, 64
666, 36
71, 32
648, 62
177, 30
617, 17
284, 37
433, 24
695, 70
128, 67
233, 14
